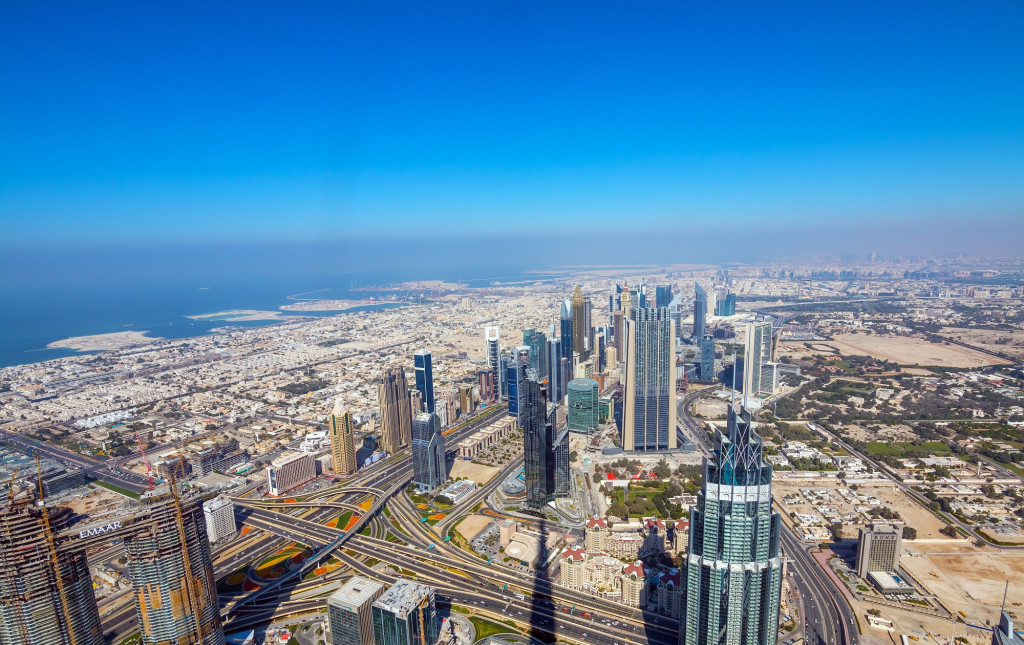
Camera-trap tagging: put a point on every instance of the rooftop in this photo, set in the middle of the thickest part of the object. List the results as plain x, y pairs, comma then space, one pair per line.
355, 593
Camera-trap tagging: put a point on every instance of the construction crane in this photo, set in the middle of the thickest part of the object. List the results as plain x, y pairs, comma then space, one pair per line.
145, 460
10, 486
179, 520
53, 555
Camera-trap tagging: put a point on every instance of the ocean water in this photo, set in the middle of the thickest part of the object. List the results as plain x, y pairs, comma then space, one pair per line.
32, 317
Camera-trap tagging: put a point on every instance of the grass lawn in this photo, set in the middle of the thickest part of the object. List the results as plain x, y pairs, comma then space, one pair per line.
485, 628
117, 489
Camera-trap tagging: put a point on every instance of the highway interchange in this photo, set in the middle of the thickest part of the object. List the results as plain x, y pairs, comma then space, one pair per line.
461, 578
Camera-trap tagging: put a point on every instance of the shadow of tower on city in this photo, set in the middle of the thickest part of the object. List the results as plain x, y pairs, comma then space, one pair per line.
542, 625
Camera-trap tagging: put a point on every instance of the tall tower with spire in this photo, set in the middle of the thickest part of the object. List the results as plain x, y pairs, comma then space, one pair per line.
1004, 634
733, 572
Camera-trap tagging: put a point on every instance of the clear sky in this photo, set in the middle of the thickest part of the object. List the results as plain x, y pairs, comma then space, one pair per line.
268, 121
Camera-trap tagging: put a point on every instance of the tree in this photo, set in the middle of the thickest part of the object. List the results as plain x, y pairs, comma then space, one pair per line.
948, 530
618, 509
909, 533
596, 477
662, 469
573, 455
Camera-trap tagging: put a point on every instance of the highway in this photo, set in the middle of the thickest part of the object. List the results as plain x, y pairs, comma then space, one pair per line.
828, 619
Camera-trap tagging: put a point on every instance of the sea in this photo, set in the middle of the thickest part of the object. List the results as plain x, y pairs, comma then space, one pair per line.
32, 317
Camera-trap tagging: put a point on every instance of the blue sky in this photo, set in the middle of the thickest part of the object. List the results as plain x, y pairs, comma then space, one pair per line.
261, 121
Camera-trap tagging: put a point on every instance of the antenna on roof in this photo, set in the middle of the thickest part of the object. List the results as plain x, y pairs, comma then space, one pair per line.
1005, 589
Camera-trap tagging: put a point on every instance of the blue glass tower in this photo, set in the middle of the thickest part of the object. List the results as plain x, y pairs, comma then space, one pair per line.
565, 318
424, 379
700, 312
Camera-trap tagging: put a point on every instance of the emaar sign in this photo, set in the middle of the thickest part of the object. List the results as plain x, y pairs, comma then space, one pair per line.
98, 530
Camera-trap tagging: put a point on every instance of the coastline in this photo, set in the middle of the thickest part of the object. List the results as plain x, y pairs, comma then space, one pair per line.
104, 342
243, 315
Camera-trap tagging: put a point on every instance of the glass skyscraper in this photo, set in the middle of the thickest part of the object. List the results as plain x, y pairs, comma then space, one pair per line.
514, 375
733, 568
554, 371
539, 466
757, 353
583, 410
707, 358
649, 419
565, 318
429, 469
700, 311
424, 379
662, 295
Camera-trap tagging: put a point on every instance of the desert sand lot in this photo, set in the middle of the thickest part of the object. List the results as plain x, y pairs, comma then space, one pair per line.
969, 579
479, 473
910, 351
986, 338
472, 525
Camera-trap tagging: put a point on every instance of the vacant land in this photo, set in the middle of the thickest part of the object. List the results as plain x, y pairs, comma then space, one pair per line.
910, 351
479, 473
968, 578
472, 525
1004, 341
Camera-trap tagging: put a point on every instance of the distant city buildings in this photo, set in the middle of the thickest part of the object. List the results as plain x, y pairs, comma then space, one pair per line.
485, 385
649, 418
342, 434
395, 411
428, 455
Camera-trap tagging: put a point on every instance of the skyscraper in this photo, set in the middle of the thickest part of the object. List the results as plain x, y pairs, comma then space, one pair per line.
395, 410
733, 569
726, 305
588, 328
342, 433
707, 358
405, 615
493, 351
579, 330
1004, 633
626, 302
700, 311
879, 545
173, 583
528, 341
554, 371
485, 383
758, 376
582, 406
663, 295
424, 379
34, 609
649, 418
539, 352
429, 469
538, 459
566, 330
349, 611
514, 375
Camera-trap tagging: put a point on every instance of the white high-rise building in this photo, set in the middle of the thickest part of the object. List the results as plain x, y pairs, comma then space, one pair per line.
759, 374
290, 470
220, 519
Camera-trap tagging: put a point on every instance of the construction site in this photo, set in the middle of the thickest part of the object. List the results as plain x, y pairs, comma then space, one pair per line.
46, 593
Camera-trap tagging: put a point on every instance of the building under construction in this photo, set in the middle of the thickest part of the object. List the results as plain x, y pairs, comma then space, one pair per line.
46, 593
175, 589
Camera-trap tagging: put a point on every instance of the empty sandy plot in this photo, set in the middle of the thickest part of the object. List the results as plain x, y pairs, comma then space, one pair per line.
472, 525
479, 473
1004, 341
968, 578
910, 351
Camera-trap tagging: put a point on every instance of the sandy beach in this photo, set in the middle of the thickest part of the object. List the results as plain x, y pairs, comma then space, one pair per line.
104, 342
242, 315
335, 305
